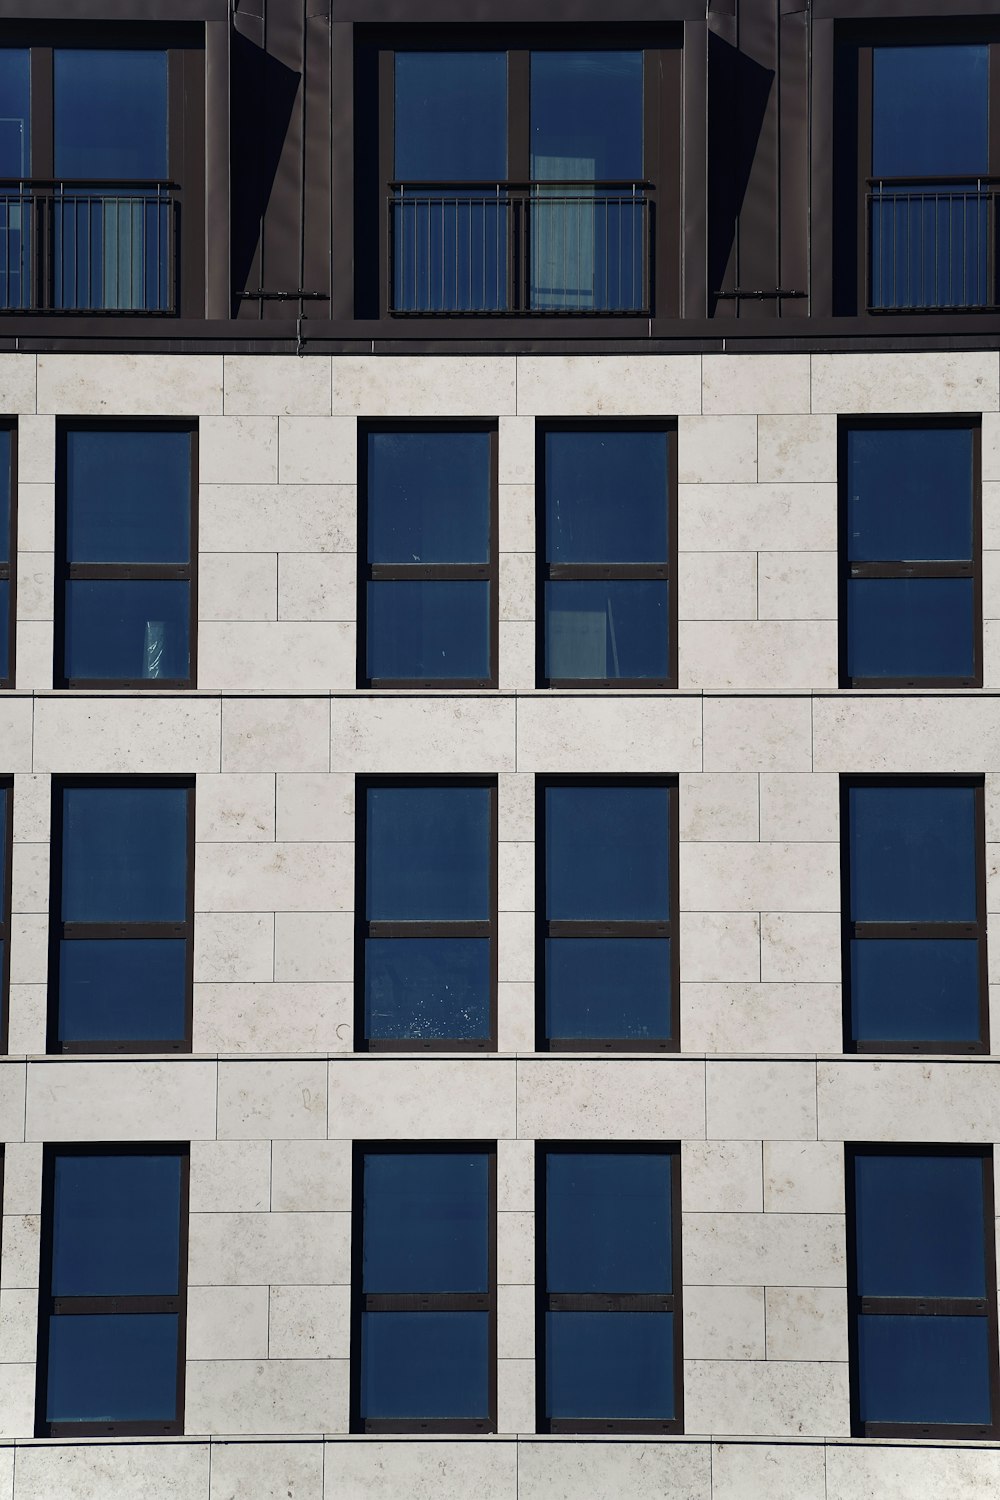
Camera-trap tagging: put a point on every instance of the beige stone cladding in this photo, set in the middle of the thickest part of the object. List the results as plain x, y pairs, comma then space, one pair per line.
761, 1097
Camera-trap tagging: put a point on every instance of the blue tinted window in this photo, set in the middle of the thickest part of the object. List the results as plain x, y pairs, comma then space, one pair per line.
428, 629
128, 495
15, 120
606, 496
930, 111
451, 116
608, 1222
5, 483
110, 116
911, 627
909, 494
913, 853
116, 1225
425, 1225
609, 1365
125, 630
428, 853
425, 1365
428, 497
606, 630
124, 854
923, 1369
425, 988
918, 990
920, 1226
608, 987
127, 988
607, 853
105, 1368
586, 116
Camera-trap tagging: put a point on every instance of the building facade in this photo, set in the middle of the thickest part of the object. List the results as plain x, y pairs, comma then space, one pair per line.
499, 749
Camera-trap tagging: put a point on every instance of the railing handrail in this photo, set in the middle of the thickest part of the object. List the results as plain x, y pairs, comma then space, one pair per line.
496, 185
30, 183
979, 178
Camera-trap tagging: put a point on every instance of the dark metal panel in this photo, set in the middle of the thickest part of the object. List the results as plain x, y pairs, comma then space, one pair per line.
572, 12
757, 105
314, 261
217, 175
885, 10
694, 170
342, 168
793, 147
284, 98
114, 10
821, 161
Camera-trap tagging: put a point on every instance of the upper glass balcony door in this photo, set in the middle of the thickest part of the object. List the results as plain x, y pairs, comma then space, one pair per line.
518, 183
931, 220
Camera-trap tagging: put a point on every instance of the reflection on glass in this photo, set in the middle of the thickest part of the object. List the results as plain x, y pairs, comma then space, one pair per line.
127, 630
116, 1225
607, 988
15, 162
920, 1225
910, 627
433, 629
126, 990
427, 988
601, 631
425, 1365
606, 496
426, 1227
907, 991
913, 853
924, 1369
128, 495
120, 1368
586, 127
450, 116
428, 853
609, 1365
608, 1222
124, 854
909, 494
428, 497
607, 853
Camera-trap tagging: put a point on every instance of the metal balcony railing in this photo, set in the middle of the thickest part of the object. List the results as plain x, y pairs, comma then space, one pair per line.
537, 248
107, 247
931, 243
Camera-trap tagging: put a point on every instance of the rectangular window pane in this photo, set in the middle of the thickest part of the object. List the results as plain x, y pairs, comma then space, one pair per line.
910, 627
429, 497
128, 495
429, 629
4, 628
920, 1226
608, 988
586, 116
425, 1365
608, 1222
121, 629
112, 1369
924, 1369
450, 113
607, 853
606, 630
910, 494
913, 853
5, 470
116, 1225
127, 990
606, 496
609, 1365
425, 1222
110, 113
15, 126
424, 988
124, 853
920, 990
428, 853
930, 111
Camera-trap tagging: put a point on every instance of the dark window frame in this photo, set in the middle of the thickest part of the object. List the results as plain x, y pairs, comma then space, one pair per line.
8, 570
546, 1301
184, 45
887, 568
137, 572
402, 930
544, 928
858, 931
7, 854
50, 1307
369, 572
60, 930
661, 43
362, 1302
858, 1306
546, 572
